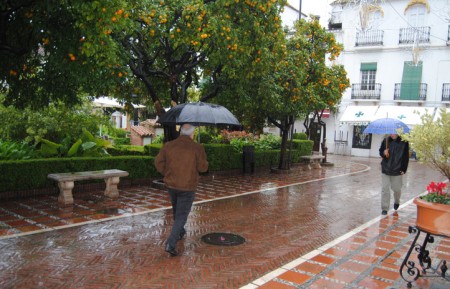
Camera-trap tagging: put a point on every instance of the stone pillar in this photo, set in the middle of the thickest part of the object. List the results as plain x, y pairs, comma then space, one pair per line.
111, 187
65, 193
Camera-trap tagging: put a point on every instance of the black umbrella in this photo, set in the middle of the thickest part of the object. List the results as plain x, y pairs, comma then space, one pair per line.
198, 114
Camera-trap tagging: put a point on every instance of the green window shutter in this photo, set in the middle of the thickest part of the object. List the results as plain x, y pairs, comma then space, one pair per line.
412, 76
368, 66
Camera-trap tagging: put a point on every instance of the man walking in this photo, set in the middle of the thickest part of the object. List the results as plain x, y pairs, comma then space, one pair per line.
180, 161
395, 161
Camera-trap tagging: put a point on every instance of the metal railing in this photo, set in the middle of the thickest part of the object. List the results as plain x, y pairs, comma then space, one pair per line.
446, 92
366, 91
410, 91
414, 35
448, 36
335, 21
370, 37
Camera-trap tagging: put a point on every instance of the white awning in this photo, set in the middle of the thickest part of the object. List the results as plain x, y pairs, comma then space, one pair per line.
104, 101
358, 115
410, 115
438, 113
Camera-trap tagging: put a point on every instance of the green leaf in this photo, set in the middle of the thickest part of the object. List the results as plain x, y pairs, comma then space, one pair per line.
88, 145
74, 148
49, 148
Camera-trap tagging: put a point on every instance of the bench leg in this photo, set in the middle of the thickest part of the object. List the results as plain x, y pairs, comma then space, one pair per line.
316, 165
111, 187
65, 197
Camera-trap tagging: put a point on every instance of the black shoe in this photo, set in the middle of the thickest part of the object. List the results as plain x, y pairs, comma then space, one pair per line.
182, 234
396, 206
384, 212
172, 251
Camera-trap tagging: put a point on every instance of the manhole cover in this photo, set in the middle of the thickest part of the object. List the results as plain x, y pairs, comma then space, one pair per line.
223, 239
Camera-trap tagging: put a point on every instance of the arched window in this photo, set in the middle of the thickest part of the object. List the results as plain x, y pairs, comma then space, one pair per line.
370, 16
416, 15
375, 19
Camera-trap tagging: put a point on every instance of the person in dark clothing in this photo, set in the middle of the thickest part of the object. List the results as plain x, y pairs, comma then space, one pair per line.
180, 162
395, 159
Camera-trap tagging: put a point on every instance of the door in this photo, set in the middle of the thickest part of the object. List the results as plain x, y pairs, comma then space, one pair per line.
315, 135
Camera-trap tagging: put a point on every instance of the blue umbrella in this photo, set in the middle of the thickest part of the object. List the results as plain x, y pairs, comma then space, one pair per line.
386, 126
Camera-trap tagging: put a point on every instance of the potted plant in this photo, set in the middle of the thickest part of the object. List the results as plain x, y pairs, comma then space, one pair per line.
430, 141
433, 210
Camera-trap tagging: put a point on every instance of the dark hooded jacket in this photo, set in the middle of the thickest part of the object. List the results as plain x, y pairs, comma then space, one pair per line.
398, 157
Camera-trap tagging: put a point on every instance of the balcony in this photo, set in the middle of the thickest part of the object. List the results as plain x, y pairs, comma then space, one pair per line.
335, 21
446, 92
414, 35
410, 91
369, 38
366, 91
448, 36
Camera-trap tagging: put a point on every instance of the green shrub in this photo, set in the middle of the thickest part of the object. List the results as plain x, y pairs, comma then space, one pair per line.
267, 142
86, 145
152, 149
32, 174
221, 157
205, 137
126, 150
54, 123
300, 135
158, 139
16, 151
120, 140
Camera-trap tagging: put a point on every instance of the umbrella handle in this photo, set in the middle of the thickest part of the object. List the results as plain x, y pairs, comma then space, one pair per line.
387, 146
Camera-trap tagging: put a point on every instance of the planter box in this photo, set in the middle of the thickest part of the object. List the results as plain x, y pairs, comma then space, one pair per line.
433, 218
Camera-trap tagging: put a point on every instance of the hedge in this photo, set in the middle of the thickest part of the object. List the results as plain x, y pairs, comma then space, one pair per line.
32, 174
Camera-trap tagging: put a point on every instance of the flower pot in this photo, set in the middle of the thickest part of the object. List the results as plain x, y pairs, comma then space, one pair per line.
433, 218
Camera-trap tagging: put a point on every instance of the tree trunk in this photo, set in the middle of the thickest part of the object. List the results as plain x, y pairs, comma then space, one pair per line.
285, 127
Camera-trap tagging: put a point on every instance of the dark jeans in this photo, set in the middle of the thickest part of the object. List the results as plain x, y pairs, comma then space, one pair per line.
181, 207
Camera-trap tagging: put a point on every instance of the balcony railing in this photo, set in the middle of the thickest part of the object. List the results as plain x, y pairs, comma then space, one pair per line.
448, 36
414, 35
410, 91
366, 91
371, 37
446, 92
335, 21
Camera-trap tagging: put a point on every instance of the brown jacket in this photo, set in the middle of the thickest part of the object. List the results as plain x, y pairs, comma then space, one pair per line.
180, 161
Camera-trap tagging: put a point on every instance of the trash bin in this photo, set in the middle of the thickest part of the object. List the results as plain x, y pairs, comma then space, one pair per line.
248, 158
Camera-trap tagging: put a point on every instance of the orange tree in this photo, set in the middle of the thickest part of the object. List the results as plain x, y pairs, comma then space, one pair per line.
325, 81
318, 83
153, 49
299, 81
48, 52
166, 47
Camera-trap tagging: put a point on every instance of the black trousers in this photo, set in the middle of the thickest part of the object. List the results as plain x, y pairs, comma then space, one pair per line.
181, 207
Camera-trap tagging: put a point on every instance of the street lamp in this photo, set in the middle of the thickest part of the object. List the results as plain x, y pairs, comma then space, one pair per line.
300, 10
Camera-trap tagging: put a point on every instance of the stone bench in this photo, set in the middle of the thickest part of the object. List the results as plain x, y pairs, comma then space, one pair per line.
313, 161
66, 183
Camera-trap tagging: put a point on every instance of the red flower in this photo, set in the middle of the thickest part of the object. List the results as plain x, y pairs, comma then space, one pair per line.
436, 188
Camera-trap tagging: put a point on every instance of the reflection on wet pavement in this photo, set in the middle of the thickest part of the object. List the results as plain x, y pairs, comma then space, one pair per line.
120, 242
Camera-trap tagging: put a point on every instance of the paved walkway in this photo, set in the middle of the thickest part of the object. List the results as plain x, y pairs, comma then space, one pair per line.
309, 229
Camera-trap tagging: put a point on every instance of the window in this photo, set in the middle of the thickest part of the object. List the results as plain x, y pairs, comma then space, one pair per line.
375, 19
361, 140
416, 15
368, 76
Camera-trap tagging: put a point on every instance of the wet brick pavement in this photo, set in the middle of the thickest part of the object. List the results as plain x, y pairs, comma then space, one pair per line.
308, 229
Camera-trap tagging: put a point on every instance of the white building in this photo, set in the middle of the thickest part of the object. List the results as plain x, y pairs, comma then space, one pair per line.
397, 57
